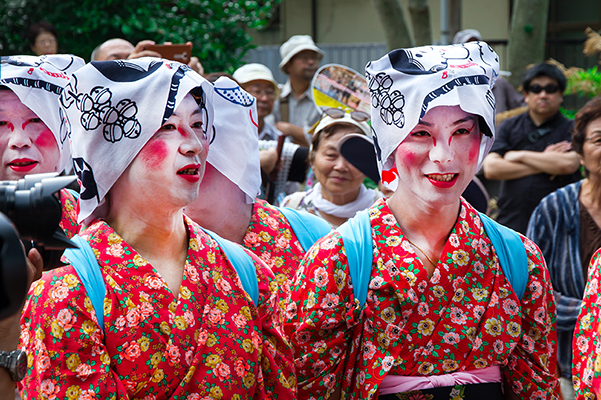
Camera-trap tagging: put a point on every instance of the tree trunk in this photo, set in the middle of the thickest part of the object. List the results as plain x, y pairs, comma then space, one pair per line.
393, 21
526, 37
420, 20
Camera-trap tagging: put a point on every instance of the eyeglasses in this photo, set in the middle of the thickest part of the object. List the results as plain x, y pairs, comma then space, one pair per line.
270, 94
338, 113
550, 88
595, 140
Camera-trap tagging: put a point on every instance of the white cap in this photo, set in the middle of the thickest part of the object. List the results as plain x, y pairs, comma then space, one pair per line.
295, 45
346, 119
465, 35
255, 72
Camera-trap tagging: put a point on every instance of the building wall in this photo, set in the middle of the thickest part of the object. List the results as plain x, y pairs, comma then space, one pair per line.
356, 21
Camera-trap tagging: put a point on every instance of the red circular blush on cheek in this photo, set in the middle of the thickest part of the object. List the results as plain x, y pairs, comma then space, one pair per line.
45, 139
407, 156
154, 153
474, 151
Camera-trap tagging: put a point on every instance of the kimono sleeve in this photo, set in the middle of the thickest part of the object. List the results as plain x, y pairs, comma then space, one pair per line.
66, 353
586, 345
320, 316
277, 363
531, 364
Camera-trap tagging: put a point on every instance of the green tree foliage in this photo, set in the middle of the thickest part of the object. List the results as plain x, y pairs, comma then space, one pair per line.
217, 28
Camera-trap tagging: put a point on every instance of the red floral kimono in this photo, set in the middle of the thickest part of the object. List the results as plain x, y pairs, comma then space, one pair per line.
586, 345
69, 218
210, 343
465, 317
271, 238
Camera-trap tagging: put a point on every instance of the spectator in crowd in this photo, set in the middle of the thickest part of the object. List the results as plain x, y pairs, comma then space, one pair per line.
33, 135
532, 153
121, 49
43, 38
258, 80
174, 318
228, 205
586, 364
295, 112
506, 97
340, 192
283, 178
409, 299
566, 226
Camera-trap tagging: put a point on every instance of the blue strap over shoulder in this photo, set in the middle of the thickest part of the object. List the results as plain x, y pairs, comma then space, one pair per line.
511, 252
357, 239
308, 228
242, 263
86, 265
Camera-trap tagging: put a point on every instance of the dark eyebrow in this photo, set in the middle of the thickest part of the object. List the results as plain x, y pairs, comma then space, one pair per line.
459, 121
462, 120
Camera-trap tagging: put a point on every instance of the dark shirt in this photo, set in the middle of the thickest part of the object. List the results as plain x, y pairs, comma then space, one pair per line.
590, 237
519, 197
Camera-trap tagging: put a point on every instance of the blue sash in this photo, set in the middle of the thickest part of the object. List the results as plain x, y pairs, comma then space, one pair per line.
308, 228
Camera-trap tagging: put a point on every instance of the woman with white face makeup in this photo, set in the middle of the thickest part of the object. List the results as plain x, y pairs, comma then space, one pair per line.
176, 321
414, 298
33, 136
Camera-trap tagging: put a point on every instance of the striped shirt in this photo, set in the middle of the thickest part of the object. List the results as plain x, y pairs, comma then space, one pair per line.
555, 227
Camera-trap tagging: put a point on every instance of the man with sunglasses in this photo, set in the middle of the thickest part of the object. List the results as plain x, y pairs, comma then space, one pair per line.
532, 153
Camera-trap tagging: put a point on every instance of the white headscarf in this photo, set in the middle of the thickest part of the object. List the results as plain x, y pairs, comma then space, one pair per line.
407, 83
38, 82
114, 108
234, 150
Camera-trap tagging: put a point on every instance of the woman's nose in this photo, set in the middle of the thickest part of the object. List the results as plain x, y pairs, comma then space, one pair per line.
19, 138
441, 152
193, 144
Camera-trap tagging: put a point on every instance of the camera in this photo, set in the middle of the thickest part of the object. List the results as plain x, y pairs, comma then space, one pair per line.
30, 214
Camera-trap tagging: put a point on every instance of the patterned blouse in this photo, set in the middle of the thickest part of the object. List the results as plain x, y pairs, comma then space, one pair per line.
465, 317
586, 346
271, 238
69, 218
209, 343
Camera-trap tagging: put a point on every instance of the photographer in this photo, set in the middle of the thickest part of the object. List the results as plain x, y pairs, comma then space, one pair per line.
33, 131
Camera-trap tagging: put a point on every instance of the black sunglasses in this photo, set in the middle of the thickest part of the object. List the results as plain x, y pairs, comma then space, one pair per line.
550, 88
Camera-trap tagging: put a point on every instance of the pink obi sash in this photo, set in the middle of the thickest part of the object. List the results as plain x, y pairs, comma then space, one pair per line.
400, 384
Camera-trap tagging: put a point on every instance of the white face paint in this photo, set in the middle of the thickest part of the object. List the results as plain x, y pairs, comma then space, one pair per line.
439, 157
168, 169
28, 146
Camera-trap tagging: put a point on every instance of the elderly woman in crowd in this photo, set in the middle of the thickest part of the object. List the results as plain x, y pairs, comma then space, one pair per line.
175, 321
340, 192
428, 311
566, 226
33, 135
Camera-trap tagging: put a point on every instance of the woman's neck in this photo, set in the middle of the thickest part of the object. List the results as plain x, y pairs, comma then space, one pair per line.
154, 234
221, 207
590, 193
339, 199
427, 227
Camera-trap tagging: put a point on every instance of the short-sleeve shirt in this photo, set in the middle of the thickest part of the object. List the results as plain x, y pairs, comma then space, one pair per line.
519, 197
